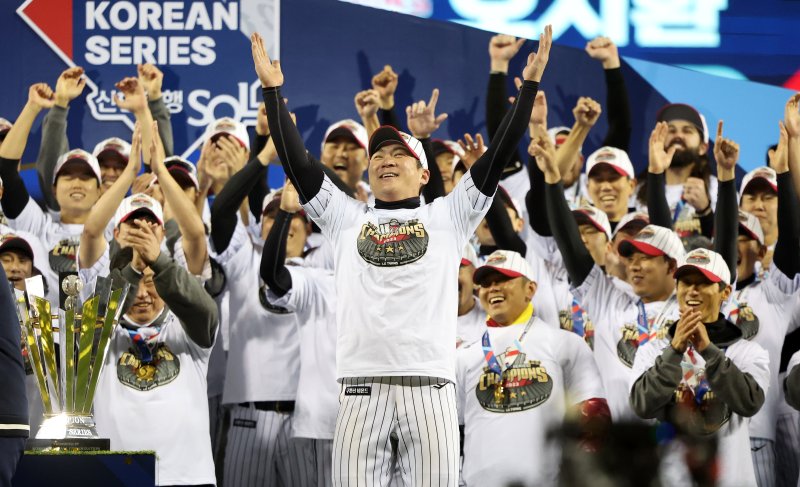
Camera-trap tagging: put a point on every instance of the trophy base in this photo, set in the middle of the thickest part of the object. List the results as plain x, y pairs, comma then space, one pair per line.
68, 432
69, 444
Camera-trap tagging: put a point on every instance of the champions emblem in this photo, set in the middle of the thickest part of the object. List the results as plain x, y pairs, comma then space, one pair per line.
698, 410
523, 386
746, 320
628, 344
145, 376
63, 255
392, 244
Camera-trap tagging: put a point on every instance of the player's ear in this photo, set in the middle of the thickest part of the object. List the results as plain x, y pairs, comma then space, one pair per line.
530, 290
424, 177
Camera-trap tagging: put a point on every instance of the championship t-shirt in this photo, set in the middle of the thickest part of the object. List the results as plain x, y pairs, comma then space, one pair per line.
506, 421
396, 272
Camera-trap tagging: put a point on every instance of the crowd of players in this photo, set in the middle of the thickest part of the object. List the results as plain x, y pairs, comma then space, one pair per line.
586, 293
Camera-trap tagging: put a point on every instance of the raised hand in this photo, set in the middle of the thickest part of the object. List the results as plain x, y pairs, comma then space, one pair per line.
262, 122
40, 96
269, 72
659, 158
69, 86
135, 100
135, 158
290, 201
779, 158
151, 78
726, 153
234, 155
501, 49
473, 149
539, 112
157, 154
695, 193
385, 84
586, 111
537, 61
686, 328
367, 103
422, 119
144, 241
542, 148
791, 117
604, 50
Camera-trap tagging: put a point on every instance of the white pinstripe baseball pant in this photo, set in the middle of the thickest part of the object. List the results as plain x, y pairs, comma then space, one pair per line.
259, 451
762, 451
420, 411
787, 449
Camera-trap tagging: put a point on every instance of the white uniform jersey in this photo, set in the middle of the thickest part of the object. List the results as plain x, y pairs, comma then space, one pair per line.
159, 406
319, 253
471, 325
577, 195
686, 221
313, 299
763, 313
264, 350
505, 438
396, 272
615, 316
735, 461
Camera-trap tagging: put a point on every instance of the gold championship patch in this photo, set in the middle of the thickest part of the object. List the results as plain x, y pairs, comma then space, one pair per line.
392, 244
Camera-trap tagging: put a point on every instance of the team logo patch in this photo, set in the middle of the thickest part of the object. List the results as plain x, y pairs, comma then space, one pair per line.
392, 244
358, 390
698, 258
746, 320
63, 255
628, 344
524, 385
146, 376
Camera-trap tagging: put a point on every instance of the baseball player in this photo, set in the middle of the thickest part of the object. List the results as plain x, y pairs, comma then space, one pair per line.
262, 370
622, 322
701, 376
395, 353
520, 382
311, 294
471, 316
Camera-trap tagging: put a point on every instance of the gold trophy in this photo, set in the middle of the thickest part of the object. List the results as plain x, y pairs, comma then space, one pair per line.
67, 385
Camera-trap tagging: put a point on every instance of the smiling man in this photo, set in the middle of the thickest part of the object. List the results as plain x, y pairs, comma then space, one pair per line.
701, 376
344, 149
395, 337
521, 382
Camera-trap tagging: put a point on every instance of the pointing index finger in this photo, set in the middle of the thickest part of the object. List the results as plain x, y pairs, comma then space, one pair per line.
434, 99
719, 130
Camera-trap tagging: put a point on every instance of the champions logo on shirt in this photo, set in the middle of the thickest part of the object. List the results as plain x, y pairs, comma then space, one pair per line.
145, 376
524, 385
698, 410
63, 255
392, 244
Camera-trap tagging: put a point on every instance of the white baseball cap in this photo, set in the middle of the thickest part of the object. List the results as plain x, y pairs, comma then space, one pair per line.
78, 156
708, 262
182, 170
594, 217
653, 240
469, 257
387, 134
616, 158
641, 218
759, 174
349, 129
506, 262
441, 146
112, 147
138, 202
231, 127
750, 226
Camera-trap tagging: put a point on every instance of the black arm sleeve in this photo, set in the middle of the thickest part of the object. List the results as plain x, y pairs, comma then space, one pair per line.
726, 224
389, 117
259, 190
228, 201
619, 110
435, 187
305, 175
577, 259
496, 107
273, 259
488, 169
502, 230
707, 225
15, 195
787, 256
536, 201
657, 206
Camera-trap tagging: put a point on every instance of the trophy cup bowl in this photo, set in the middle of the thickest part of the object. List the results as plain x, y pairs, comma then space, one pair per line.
67, 359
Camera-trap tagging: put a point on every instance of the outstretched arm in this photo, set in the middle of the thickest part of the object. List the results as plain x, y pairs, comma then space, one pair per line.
385, 85
151, 78
726, 223
15, 195
304, 174
273, 259
422, 122
488, 169
659, 160
786, 256
619, 113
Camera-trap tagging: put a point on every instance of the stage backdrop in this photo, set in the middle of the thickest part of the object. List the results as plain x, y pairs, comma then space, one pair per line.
329, 51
